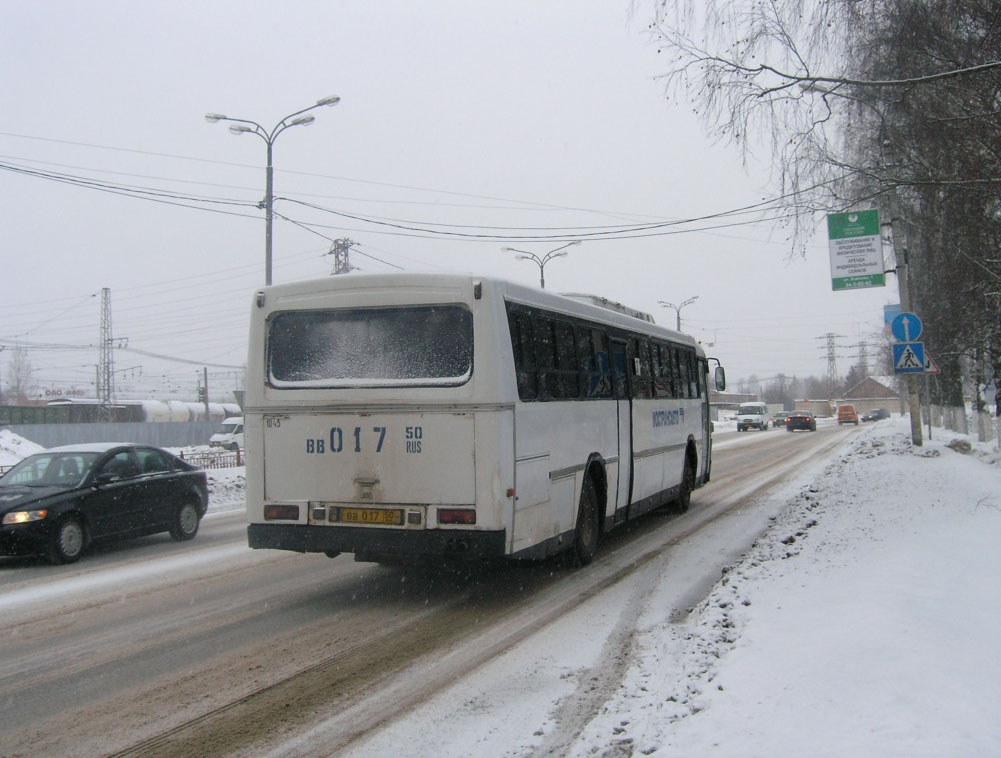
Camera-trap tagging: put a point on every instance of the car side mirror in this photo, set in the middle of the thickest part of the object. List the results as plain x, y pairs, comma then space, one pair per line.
719, 375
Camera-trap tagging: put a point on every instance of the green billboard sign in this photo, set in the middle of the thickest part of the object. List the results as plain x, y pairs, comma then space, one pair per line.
856, 250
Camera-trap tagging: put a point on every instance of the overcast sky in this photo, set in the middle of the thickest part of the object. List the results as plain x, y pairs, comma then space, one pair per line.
520, 118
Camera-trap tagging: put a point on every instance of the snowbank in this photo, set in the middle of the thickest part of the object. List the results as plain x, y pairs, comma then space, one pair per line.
13, 447
864, 622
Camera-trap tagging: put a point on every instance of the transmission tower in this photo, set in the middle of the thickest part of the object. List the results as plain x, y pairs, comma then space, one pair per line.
832, 364
863, 358
106, 364
340, 250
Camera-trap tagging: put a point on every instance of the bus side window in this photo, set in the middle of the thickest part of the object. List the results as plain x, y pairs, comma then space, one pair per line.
659, 388
693, 374
620, 383
686, 373
595, 364
523, 345
639, 368
678, 381
564, 384
666, 380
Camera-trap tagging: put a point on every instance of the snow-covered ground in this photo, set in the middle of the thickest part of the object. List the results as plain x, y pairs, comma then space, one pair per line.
864, 622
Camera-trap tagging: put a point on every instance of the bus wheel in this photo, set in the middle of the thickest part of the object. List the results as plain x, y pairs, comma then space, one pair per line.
687, 485
585, 540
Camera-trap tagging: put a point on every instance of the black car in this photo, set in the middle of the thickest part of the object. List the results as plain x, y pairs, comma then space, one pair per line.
876, 415
801, 420
60, 500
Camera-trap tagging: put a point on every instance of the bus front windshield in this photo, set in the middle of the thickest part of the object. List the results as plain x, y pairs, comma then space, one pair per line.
371, 347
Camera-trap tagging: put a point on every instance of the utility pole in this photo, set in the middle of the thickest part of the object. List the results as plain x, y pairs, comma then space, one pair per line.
340, 250
900, 255
106, 360
900, 262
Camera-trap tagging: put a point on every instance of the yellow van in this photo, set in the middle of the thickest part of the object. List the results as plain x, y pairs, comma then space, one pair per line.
847, 415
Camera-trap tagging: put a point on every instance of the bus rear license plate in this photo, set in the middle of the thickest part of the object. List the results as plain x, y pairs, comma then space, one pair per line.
371, 516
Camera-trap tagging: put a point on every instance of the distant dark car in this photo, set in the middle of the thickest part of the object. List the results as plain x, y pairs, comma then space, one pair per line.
876, 415
57, 502
801, 420
779, 419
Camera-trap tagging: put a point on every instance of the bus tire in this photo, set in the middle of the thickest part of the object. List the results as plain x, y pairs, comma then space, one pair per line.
687, 487
588, 529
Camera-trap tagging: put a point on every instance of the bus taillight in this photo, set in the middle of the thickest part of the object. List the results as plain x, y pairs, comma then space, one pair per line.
456, 516
281, 512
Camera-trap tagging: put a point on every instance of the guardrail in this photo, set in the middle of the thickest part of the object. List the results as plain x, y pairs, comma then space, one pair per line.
214, 459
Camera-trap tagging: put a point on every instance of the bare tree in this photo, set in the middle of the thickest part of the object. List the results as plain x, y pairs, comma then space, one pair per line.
20, 376
892, 103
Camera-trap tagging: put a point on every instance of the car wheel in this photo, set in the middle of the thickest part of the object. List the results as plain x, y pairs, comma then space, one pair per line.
186, 520
67, 541
585, 539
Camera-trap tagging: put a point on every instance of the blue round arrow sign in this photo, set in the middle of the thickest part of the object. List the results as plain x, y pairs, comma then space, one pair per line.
906, 327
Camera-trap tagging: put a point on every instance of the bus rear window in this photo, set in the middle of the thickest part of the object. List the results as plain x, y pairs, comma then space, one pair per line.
429, 346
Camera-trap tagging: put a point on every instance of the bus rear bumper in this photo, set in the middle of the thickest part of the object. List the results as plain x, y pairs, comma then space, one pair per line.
304, 538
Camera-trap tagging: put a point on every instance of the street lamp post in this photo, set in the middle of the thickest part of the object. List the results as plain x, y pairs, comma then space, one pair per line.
677, 308
524, 255
244, 126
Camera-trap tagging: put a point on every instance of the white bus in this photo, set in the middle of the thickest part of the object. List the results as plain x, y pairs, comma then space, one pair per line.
403, 415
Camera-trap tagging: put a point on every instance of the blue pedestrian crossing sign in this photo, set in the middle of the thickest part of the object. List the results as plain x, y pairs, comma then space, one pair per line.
909, 357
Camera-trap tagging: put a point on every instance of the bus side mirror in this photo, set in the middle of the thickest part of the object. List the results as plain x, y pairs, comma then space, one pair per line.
720, 376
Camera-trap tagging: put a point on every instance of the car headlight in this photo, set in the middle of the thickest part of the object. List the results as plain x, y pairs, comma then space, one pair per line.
23, 517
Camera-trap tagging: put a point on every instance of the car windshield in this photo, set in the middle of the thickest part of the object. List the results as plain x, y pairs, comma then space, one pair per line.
50, 469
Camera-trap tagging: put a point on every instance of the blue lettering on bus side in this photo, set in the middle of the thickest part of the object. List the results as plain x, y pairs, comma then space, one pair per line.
668, 418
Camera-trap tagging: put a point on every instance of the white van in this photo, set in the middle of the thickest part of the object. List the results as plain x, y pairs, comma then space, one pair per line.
230, 435
752, 416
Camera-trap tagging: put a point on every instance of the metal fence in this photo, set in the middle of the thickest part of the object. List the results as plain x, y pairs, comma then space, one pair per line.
207, 460
214, 459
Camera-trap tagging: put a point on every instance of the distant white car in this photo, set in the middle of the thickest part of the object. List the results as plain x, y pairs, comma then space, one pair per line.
752, 416
230, 435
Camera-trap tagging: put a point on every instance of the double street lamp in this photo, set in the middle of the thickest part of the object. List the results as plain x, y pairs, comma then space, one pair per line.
524, 255
677, 308
244, 126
